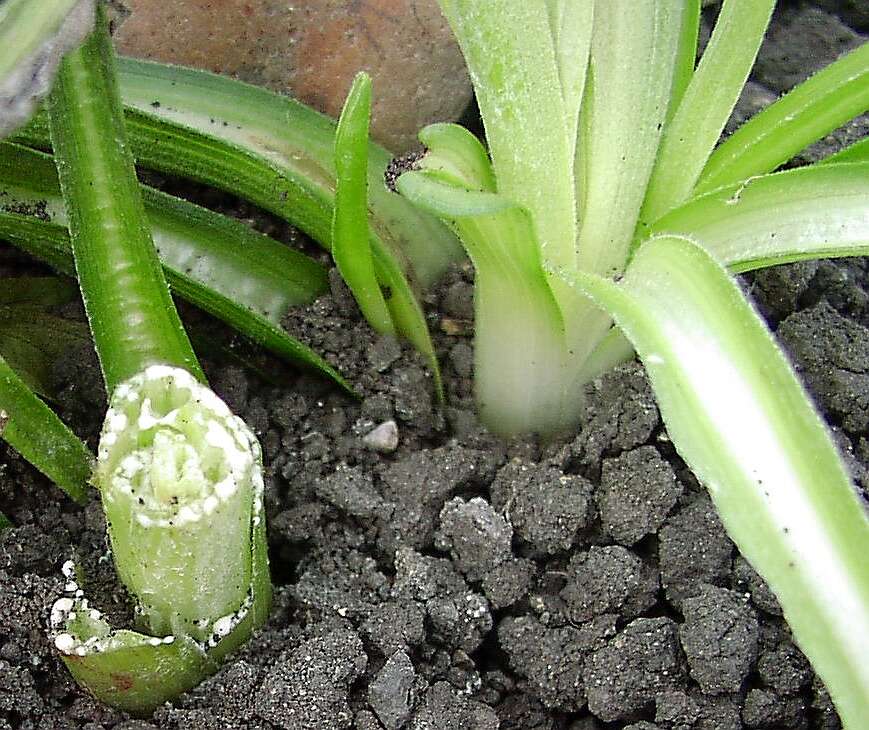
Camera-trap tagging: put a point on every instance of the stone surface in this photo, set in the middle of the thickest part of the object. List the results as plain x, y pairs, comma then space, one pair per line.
312, 50
391, 693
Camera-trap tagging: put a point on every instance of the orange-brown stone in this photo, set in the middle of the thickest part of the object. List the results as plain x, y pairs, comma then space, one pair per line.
312, 49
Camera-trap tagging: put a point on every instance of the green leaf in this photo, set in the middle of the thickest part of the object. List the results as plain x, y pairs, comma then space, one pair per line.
807, 213
39, 291
738, 416
131, 313
50, 243
519, 360
571, 23
455, 152
34, 431
804, 115
857, 152
32, 338
5, 523
509, 51
350, 247
215, 250
268, 148
278, 154
633, 58
696, 127
686, 57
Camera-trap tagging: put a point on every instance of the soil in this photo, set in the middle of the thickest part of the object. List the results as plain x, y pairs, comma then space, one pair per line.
452, 580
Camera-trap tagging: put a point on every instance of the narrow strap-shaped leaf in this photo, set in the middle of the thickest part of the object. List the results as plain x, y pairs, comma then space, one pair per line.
375, 277
40, 291
129, 308
806, 213
686, 57
268, 148
50, 243
34, 431
804, 115
738, 416
32, 336
275, 158
218, 251
32, 340
453, 148
633, 58
571, 22
696, 127
509, 51
350, 247
5, 522
519, 380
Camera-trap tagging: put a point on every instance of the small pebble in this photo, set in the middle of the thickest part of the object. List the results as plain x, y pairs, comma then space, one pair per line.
382, 438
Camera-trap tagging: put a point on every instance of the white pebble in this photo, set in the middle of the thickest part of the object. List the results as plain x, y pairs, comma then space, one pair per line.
383, 438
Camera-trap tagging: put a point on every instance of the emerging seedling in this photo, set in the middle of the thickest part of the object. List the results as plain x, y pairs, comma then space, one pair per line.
180, 477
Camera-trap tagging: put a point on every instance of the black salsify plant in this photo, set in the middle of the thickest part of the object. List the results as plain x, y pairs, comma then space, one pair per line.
180, 477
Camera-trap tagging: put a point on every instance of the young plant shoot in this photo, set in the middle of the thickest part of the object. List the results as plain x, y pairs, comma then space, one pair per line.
599, 198
180, 476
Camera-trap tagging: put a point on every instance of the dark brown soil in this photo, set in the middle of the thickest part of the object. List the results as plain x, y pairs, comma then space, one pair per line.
458, 581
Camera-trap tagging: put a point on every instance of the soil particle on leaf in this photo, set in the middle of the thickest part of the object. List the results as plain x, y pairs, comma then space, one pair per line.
719, 636
693, 550
637, 491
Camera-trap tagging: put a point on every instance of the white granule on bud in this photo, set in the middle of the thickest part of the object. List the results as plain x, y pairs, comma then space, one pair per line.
173, 448
65, 643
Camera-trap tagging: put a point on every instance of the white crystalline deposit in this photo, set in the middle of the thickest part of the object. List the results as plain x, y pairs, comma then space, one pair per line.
181, 482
